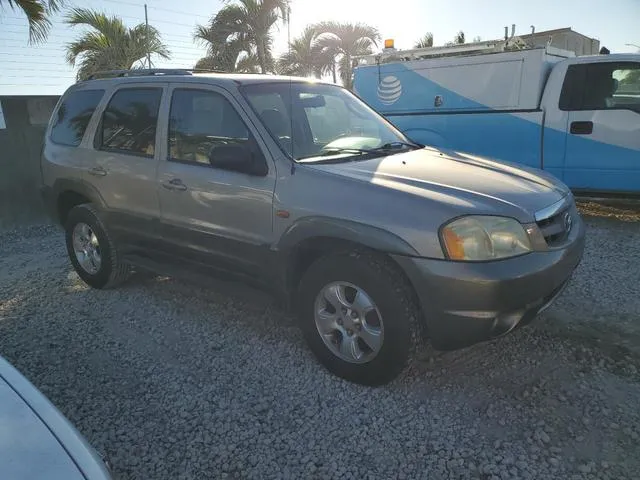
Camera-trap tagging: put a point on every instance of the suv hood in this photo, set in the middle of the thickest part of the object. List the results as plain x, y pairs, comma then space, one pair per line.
484, 186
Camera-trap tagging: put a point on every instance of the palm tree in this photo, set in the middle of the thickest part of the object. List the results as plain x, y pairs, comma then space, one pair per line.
345, 41
457, 40
37, 12
243, 26
110, 44
305, 57
425, 42
222, 56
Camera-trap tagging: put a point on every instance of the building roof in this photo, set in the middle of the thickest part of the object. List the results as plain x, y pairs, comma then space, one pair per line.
543, 33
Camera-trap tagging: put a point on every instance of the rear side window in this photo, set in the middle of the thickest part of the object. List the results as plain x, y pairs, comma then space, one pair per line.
72, 118
129, 121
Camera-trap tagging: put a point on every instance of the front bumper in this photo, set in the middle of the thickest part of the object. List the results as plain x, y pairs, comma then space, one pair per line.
465, 303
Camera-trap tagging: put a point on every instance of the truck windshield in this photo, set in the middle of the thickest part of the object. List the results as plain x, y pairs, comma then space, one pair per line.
314, 121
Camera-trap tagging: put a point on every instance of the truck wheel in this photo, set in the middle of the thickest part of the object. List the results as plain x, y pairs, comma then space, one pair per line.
358, 316
92, 252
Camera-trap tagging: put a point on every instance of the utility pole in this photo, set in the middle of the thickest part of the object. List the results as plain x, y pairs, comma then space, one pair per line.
146, 21
289, 27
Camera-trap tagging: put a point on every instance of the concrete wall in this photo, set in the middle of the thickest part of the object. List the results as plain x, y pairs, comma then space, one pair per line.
25, 120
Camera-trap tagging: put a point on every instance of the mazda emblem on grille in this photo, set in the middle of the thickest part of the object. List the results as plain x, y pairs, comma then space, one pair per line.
568, 222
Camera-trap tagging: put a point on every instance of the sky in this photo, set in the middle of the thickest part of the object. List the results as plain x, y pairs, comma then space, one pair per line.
42, 70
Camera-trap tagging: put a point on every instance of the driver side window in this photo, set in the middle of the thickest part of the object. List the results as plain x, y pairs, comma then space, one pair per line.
200, 120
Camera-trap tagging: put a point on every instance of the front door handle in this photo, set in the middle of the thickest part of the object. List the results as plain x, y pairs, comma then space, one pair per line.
97, 172
581, 128
174, 184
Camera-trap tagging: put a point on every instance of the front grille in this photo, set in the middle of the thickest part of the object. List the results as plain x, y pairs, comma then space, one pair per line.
556, 228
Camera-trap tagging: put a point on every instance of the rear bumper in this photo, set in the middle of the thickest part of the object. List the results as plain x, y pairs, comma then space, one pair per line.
467, 303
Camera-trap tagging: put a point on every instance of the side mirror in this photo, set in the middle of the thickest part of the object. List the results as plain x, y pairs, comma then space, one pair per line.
237, 158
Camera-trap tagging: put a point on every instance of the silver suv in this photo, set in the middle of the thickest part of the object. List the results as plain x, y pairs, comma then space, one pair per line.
300, 187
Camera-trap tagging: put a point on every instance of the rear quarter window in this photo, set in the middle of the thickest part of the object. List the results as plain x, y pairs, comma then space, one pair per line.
72, 117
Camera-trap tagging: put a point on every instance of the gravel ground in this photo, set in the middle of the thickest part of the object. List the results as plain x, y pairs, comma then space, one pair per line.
174, 381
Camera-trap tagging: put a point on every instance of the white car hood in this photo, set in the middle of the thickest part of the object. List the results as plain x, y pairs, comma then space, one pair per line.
36, 441
28, 449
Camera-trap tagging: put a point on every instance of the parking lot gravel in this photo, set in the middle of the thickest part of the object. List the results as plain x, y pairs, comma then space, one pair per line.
196, 380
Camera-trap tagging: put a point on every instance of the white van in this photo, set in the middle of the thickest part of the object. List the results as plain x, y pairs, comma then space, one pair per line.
576, 117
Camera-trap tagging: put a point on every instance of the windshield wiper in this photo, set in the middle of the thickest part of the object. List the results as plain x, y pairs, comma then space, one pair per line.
361, 151
393, 145
335, 151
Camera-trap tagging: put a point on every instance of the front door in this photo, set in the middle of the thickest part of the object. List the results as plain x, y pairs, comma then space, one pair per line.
125, 160
213, 214
603, 128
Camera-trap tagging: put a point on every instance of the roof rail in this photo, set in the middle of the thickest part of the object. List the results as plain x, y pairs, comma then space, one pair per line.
144, 72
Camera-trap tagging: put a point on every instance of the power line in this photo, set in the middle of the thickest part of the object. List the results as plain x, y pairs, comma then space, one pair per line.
156, 8
139, 19
32, 85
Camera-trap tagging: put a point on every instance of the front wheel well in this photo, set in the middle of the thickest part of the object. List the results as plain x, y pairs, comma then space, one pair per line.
310, 250
66, 201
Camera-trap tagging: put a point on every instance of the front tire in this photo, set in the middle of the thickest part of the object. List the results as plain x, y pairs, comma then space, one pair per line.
92, 252
358, 316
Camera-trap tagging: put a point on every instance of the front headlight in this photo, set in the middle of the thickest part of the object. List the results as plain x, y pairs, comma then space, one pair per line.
480, 238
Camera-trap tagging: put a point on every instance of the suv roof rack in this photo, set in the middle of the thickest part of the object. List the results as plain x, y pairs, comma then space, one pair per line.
144, 72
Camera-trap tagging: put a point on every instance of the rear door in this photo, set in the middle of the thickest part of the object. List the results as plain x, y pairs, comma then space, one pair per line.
126, 159
602, 101
213, 215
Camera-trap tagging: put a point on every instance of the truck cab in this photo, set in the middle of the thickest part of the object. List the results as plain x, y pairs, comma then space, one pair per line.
576, 117
592, 123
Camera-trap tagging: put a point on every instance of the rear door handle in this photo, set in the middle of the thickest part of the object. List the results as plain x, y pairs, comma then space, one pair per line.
174, 184
97, 172
581, 128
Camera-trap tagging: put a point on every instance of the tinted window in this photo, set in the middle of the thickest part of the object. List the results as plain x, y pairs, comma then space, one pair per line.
573, 87
627, 92
602, 86
200, 120
129, 121
73, 116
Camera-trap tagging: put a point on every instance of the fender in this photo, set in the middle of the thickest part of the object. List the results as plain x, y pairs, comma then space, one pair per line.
79, 186
51, 196
326, 227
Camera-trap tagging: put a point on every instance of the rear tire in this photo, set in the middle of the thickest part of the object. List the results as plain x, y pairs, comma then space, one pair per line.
92, 252
384, 335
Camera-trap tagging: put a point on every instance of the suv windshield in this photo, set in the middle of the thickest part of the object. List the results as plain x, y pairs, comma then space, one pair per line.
314, 121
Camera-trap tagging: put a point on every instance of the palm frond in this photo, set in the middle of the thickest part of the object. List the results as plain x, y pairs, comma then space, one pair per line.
109, 44
36, 13
425, 41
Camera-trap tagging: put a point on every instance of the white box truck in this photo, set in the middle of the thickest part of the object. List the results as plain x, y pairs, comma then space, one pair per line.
576, 117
